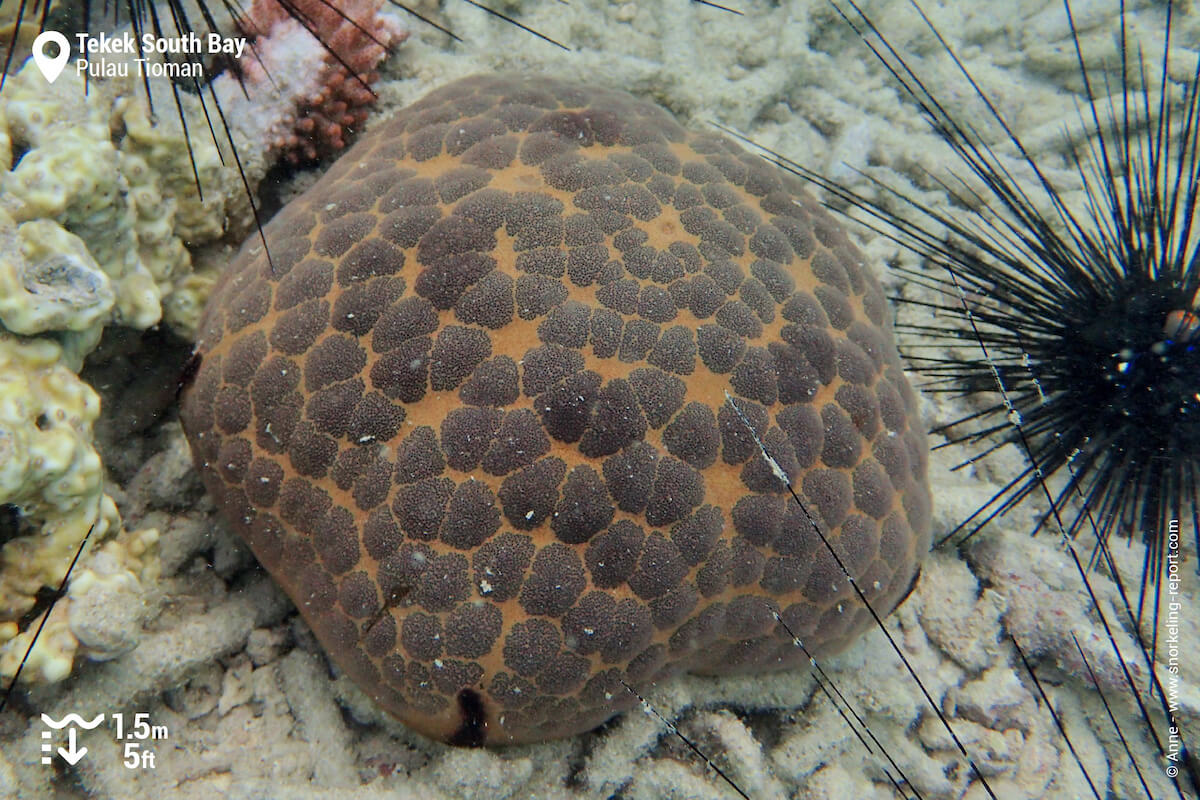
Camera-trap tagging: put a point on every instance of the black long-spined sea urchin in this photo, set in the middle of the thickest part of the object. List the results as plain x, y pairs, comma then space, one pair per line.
1080, 335
1086, 322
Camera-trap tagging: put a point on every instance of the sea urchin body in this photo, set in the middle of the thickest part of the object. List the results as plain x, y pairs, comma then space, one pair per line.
1079, 340
1085, 322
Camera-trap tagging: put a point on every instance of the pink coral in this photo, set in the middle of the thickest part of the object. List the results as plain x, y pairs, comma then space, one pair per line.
355, 39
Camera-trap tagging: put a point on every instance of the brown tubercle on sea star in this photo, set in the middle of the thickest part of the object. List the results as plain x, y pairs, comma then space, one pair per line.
476, 414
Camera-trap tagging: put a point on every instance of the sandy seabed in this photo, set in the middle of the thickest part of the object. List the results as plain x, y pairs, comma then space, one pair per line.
254, 710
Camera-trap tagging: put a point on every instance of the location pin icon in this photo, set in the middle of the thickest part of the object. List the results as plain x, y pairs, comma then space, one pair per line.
51, 67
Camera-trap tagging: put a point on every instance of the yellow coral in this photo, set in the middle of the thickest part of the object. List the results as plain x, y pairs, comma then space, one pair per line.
196, 218
96, 216
51, 659
49, 470
183, 307
97, 165
52, 489
49, 280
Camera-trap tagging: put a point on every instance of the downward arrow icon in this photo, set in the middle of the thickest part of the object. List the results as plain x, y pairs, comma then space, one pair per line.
70, 754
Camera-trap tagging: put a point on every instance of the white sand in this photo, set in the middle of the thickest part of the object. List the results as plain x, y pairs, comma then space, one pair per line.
246, 694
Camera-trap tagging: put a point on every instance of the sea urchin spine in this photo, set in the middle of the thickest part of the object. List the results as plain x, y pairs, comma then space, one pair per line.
1084, 320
